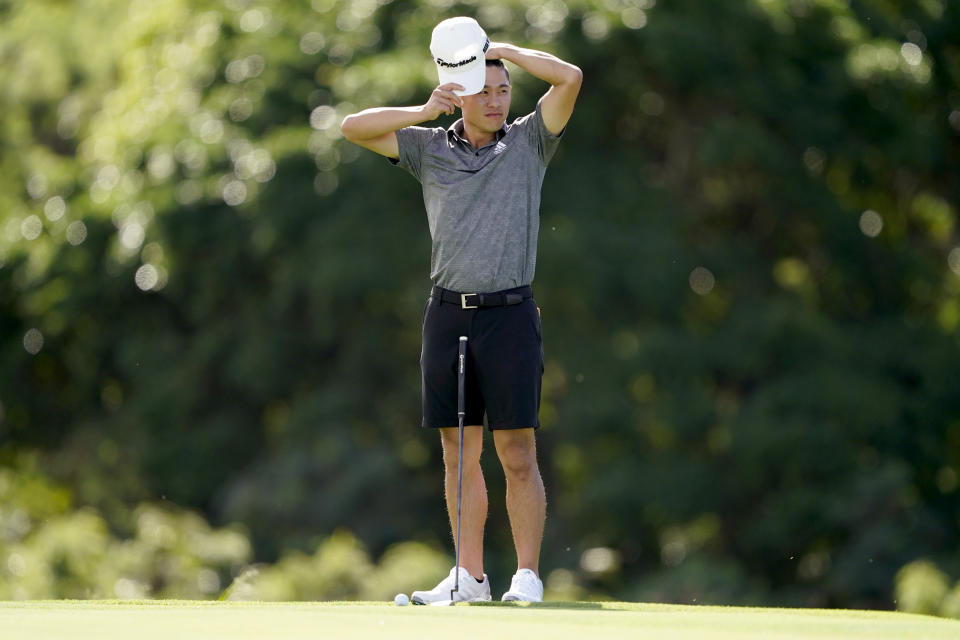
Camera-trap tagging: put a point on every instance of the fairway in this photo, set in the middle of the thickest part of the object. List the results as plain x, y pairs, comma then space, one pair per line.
183, 620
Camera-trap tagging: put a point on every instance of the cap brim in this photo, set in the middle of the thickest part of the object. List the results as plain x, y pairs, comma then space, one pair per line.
471, 77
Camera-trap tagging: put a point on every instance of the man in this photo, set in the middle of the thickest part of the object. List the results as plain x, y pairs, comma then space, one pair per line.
481, 187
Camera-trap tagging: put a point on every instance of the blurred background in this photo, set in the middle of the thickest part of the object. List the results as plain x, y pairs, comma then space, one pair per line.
749, 273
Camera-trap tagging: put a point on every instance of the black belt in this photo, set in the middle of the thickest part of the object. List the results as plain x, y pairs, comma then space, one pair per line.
478, 300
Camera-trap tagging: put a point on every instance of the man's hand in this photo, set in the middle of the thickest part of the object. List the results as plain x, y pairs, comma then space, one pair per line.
443, 100
496, 50
376, 128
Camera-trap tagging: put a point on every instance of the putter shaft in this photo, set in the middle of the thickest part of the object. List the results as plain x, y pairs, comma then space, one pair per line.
461, 412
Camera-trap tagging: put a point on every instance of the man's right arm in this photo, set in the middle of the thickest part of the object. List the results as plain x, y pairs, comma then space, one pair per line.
376, 129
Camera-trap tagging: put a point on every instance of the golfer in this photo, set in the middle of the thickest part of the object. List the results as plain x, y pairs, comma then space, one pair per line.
481, 187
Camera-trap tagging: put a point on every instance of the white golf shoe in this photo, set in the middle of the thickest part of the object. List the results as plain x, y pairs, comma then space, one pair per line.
525, 586
470, 589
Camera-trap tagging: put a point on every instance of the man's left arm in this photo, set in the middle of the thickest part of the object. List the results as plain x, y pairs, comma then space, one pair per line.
557, 103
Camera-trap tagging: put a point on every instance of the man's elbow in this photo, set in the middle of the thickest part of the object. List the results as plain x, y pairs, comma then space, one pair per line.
574, 76
350, 129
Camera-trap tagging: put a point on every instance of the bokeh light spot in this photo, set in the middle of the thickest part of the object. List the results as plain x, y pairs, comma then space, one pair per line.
702, 281
16, 565
33, 341
55, 208
340, 54
953, 260
76, 233
791, 273
132, 235
241, 109
234, 72
146, 277
599, 560
815, 160
325, 183
160, 165
364, 9
328, 161
129, 589
252, 20
871, 223
208, 32
208, 581
31, 227
312, 43
323, 117
254, 65
548, 17
211, 131
234, 193
37, 186
911, 53
595, 26
633, 18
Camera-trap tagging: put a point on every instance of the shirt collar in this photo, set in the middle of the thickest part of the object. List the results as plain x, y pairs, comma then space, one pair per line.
455, 132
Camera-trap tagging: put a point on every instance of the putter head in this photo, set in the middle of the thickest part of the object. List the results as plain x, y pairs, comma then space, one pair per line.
442, 603
446, 603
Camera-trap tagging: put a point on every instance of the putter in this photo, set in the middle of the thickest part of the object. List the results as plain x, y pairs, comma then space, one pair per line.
461, 412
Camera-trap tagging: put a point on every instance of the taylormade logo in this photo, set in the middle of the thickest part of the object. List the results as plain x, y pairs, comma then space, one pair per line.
460, 358
444, 63
454, 65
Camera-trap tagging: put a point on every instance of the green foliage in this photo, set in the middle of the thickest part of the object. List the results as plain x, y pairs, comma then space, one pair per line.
921, 587
341, 569
50, 551
749, 274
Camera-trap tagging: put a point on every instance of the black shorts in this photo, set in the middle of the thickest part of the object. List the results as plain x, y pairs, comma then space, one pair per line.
504, 364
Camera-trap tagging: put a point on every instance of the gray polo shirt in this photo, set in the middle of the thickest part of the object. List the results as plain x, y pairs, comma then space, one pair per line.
483, 205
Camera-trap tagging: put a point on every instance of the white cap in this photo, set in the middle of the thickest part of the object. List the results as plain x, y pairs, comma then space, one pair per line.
459, 47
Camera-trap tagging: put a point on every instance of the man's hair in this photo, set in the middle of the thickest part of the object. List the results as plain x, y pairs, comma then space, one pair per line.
499, 65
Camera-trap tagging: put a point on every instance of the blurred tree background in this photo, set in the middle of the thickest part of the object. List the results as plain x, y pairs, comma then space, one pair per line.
749, 273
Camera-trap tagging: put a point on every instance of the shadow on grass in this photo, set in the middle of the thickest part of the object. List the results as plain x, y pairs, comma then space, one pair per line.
597, 606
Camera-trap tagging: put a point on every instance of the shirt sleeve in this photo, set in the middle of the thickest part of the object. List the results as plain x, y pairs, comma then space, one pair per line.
538, 136
411, 143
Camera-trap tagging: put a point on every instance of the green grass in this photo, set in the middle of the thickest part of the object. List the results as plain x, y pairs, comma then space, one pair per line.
181, 620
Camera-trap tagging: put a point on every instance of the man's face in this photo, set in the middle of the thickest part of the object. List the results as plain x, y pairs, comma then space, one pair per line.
487, 110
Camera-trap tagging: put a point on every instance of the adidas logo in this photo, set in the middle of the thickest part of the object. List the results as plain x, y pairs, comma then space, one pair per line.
499, 148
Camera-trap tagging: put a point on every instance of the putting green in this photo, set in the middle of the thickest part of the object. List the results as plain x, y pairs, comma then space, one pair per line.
181, 620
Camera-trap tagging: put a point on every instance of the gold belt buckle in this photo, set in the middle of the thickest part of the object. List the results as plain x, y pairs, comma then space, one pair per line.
463, 301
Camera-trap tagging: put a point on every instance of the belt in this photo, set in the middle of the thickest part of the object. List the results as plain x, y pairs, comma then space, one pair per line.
478, 300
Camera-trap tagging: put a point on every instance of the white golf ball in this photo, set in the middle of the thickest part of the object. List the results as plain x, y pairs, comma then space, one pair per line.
401, 600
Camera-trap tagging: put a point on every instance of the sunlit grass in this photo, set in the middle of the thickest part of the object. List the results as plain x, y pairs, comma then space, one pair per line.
108, 620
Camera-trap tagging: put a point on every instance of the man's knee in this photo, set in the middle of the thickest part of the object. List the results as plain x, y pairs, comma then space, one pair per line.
517, 452
472, 446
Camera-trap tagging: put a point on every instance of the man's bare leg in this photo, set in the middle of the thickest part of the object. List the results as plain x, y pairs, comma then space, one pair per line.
526, 499
473, 508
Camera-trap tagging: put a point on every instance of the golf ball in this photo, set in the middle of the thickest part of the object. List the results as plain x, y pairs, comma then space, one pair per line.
401, 600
